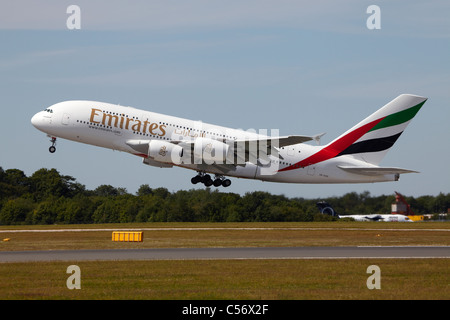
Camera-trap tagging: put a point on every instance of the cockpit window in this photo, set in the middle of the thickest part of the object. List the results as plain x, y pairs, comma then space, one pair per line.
48, 110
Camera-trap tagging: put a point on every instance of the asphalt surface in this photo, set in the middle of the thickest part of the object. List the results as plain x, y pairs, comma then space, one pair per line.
229, 253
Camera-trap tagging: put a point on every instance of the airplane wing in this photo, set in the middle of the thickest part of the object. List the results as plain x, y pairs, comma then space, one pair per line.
375, 171
276, 141
250, 150
256, 151
282, 141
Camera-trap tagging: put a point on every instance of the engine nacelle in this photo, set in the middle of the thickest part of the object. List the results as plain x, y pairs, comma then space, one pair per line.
157, 164
210, 151
163, 151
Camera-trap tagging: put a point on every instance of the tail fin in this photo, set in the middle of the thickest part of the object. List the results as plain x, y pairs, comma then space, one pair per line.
372, 138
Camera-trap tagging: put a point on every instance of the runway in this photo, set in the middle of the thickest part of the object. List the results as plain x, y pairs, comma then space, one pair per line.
402, 252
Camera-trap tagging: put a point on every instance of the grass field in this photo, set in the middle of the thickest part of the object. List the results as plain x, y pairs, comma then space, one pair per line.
229, 279
171, 235
234, 279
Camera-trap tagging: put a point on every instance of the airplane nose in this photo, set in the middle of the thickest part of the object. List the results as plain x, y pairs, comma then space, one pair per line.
35, 120
38, 121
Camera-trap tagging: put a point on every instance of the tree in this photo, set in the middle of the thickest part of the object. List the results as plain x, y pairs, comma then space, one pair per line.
178, 208
77, 210
16, 211
109, 191
107, 212
13, 183
48, 197
46, 183
152, 209
161, 192
46, 212
144, 190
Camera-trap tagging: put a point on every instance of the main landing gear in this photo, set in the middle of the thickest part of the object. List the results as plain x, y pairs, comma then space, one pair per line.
206, 179
52, 149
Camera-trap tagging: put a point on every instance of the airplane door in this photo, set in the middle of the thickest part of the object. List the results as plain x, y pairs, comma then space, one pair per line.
290, 151
65, 119
311, 170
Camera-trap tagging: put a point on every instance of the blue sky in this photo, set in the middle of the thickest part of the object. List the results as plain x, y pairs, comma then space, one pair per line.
298, 66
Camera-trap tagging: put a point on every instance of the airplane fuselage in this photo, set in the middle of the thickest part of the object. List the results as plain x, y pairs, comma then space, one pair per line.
378, 217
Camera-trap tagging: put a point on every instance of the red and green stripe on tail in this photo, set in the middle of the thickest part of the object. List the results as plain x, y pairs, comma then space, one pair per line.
374, 135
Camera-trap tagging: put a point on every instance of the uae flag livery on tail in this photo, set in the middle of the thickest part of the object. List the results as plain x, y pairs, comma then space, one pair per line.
371, 139
390, 121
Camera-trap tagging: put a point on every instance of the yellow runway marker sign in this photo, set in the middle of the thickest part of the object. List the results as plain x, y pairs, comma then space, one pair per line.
128, 236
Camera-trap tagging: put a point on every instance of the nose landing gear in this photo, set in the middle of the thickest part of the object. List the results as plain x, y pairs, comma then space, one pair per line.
206, 179
52, 149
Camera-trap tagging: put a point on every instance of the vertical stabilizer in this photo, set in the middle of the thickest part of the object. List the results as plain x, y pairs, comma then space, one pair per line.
372, 138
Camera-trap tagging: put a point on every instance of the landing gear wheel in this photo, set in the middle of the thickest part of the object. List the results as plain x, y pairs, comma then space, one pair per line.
196, 179
207, 181
226, 183
205, 178
52, 149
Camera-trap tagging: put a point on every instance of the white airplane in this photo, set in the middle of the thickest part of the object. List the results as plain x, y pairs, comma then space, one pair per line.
165, 141
326, 208
378, 217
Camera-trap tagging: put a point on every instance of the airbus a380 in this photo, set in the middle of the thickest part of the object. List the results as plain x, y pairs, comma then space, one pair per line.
166, 141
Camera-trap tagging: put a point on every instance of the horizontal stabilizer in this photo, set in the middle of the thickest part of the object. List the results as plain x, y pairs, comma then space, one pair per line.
375, 171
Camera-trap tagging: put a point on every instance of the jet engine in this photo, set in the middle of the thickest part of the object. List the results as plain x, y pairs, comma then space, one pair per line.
210, 151
163, 151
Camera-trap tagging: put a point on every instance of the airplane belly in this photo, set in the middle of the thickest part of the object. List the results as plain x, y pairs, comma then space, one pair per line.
249, 171
327, 172
272, 175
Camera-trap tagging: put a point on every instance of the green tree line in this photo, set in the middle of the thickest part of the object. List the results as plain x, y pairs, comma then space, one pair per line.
47, 197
